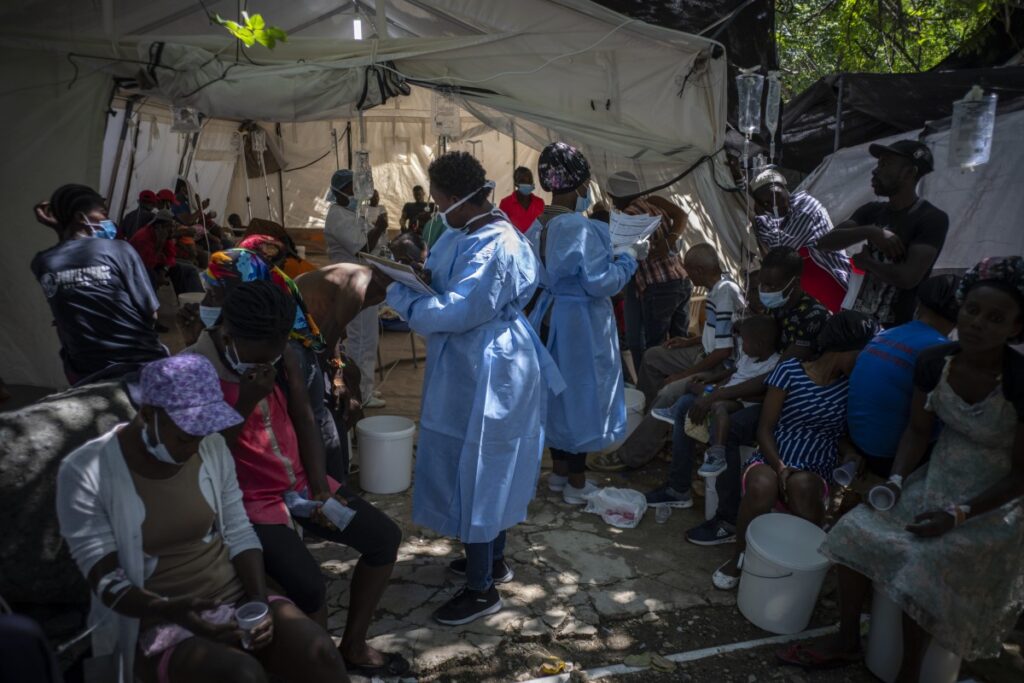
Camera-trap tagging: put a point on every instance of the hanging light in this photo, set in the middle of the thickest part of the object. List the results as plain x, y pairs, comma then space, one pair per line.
357, 24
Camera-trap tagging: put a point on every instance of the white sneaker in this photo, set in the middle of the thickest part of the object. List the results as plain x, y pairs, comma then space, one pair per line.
578, 496
375, 402
723, 581
557, 482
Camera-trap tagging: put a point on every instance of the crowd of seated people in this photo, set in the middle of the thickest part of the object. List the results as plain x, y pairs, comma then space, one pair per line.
814, 364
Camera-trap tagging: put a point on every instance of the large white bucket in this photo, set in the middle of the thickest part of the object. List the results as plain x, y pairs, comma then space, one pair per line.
711, 483
385, 453
884, 653
782, 573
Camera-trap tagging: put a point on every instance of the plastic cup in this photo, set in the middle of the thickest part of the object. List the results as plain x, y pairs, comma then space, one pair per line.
191, 298
881, 498
249, 616
844, 475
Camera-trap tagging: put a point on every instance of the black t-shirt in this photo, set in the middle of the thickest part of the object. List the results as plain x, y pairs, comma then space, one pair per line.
102, 303
801, 324
922, 223
930, 363
412, 210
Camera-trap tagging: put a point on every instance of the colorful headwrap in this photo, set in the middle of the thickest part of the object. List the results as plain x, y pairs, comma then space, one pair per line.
258, 243
562, 168
1005, 272
244, 265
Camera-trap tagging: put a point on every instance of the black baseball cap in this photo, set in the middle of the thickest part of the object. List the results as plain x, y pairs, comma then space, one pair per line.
917, 152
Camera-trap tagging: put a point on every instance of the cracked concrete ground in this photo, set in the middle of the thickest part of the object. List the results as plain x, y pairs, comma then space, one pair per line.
573, 571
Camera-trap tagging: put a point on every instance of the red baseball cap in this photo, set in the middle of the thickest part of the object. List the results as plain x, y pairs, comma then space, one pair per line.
147, 196
166, 195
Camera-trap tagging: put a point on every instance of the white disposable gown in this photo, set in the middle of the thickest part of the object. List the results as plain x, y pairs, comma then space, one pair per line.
486, 383
581, 273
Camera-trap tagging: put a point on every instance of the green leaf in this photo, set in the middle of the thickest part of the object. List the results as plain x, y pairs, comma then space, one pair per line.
256, 22
255, 31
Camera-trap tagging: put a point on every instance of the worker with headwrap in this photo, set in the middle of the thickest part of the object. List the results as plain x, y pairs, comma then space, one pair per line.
347, 234
574, 316
232, 267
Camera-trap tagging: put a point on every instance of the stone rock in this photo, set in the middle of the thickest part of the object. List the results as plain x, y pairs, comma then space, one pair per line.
577, 629
35, 566
582, 557
403, 598
555, 616
533, 628
650, 617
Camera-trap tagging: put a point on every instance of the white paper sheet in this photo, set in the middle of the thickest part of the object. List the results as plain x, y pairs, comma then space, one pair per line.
399, 272
626, 230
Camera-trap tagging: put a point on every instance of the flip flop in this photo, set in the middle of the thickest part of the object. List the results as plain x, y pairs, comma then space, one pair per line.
394, 665
811, 659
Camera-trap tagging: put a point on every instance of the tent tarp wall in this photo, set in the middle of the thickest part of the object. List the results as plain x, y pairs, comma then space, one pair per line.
53, 135
984, 207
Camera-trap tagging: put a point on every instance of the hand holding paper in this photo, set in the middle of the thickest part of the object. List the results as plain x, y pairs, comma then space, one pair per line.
399, 272
626, 230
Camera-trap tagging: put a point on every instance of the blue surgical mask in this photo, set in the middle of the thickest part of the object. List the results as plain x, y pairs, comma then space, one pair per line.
105, 229
777, 299
525, 189
156, 447
209, 315
583, 203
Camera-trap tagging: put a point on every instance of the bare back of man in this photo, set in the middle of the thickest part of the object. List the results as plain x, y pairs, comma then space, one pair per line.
335, 294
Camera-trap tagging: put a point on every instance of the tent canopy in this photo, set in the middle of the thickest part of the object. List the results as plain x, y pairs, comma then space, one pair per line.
631, 95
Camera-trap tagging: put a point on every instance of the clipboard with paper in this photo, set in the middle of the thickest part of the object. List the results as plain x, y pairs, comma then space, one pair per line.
399, 272
626, 230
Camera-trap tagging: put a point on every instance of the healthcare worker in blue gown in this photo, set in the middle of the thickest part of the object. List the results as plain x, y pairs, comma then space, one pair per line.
486, 383
574, 316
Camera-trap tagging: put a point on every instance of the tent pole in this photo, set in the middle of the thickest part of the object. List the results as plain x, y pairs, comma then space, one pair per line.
839, 115
128, 107
131, 168
515, 162
348, 142
337, 157
280, 173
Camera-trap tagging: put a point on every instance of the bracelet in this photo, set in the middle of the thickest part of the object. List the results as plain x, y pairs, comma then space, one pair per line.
958, 512
897, 481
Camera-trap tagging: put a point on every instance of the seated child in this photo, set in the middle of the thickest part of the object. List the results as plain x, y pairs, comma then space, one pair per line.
757, 356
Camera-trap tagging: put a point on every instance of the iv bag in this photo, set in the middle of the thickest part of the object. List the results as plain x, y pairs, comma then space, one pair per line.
362, 178
771, 112
970, 136
447, 118
748, 90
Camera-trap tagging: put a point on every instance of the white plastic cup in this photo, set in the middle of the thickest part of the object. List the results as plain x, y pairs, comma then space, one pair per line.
249, 616
881, 498
844, 475
300, 250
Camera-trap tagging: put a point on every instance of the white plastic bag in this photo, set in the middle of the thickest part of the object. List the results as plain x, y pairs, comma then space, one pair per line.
623, 508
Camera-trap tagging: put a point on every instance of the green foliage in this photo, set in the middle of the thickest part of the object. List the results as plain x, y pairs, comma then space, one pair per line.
255, 30
820, 37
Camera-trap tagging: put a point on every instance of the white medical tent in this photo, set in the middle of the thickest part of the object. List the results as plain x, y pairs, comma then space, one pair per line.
984, 205
631, 95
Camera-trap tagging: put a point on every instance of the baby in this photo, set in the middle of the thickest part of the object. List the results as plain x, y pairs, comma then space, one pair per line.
757, 356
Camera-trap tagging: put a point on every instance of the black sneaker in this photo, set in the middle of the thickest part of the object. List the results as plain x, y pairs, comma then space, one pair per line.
467, 606
712, 532
500, 571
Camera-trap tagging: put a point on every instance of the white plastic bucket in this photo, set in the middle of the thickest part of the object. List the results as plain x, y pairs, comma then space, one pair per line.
385, 453
634, 415
191, 298
782, 573
884, 653
711, 493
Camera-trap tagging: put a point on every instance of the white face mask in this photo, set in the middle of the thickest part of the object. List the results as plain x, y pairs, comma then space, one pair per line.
157, 448
231, 354
209, 315
444, 214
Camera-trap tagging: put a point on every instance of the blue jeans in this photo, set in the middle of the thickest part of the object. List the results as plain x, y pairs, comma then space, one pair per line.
480, 557
335, 448
681, 469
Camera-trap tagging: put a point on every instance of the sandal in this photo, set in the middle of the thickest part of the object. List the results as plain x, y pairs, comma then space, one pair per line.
607, 462
723, 581
808, 658
394, 665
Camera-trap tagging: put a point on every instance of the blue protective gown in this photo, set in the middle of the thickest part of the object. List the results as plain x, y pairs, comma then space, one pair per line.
581, 273
485, 387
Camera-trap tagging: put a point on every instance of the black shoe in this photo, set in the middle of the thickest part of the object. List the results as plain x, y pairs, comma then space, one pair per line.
467, 606
714, 531
500, 571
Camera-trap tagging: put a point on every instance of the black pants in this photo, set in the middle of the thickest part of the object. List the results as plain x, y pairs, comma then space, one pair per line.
287, 561
577, 461
742, 432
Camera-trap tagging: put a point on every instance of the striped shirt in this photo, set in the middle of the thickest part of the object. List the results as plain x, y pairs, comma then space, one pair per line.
721, 307
802, 226
812, 420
